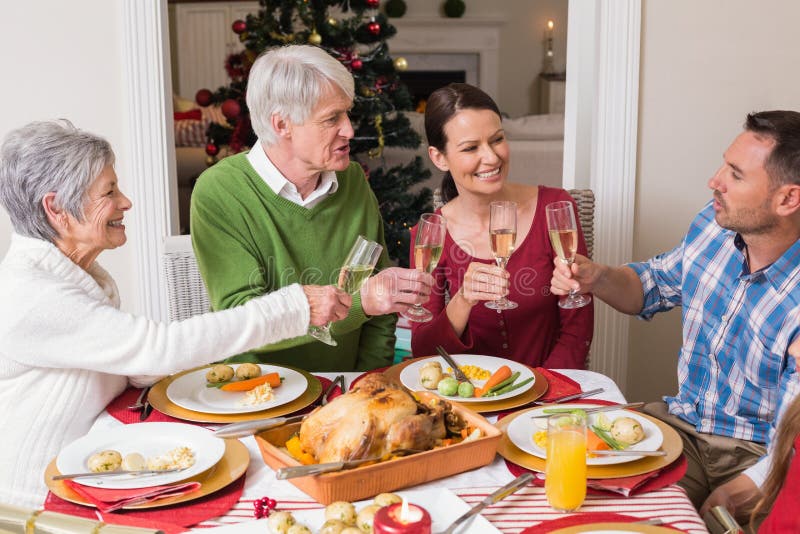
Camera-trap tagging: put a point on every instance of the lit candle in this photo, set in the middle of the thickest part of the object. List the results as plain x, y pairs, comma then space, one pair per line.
402, 518
550, 25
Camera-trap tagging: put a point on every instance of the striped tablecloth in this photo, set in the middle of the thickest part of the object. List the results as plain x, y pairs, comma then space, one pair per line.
529, 507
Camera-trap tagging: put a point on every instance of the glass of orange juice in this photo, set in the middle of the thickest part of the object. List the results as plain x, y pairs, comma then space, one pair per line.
565, 467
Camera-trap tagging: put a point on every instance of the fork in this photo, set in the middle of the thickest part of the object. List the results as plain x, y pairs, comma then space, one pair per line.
459, 374
338, 380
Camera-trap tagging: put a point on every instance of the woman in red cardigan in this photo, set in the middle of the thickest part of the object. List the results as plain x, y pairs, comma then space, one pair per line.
466, 140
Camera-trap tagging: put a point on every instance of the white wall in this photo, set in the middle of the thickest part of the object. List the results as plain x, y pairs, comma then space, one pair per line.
63, 60
704, 66
521, 43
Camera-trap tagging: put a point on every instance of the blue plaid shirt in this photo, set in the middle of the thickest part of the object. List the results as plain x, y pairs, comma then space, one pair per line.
734, 374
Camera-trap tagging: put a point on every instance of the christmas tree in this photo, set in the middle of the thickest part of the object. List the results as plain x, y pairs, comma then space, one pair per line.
355, 33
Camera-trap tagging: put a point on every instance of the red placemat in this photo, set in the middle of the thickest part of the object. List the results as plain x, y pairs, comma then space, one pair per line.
118, 408
583, 519
170, 519
108, 500
558, 385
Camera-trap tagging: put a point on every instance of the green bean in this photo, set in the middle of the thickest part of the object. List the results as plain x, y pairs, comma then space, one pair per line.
605, 436
508, 381
511, 387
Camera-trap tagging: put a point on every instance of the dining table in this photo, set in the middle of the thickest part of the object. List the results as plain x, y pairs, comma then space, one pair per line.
526, 508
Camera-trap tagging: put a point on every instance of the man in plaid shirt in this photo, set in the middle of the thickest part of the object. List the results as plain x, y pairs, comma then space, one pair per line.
736, 276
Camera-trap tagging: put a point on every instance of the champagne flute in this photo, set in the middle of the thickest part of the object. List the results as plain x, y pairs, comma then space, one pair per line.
564, 236
356, 269
503, 234
428, 245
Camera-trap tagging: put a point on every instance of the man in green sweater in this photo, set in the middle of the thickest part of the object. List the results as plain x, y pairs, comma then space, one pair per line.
289, 210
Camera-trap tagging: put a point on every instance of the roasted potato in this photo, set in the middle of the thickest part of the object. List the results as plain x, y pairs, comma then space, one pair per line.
246, 371
103, 461
219, 373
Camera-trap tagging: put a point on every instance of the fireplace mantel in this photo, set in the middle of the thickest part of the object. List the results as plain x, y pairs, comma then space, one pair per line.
476, 36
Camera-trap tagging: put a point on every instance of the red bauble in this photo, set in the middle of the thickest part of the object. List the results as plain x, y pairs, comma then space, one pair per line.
374, 28
239, 26
212, 149
356, 64
231, 108
373, 3
203, 97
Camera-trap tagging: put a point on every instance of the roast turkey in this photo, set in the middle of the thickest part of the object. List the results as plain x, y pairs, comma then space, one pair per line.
373, 419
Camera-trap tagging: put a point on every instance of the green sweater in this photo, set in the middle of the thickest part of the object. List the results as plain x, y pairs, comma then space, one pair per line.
250, 241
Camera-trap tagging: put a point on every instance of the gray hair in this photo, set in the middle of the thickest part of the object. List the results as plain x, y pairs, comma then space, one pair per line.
44, 157
289, 81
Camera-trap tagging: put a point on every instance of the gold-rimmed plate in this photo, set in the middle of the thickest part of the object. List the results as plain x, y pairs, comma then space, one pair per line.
672, 444
161, 402
612, 528
485, 406
230, 467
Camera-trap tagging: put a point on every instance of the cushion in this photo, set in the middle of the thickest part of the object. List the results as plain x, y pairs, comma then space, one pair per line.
535, 127
180, 104
191, 131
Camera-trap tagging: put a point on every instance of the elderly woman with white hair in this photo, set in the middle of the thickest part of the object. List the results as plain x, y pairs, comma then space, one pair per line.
290, 209
66, 349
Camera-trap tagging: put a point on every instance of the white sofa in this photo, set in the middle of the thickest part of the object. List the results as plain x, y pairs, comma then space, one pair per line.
536, 144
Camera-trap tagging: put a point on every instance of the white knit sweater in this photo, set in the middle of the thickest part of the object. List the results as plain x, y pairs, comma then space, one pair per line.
66, 350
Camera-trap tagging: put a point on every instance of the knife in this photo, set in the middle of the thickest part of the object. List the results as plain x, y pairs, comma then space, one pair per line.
147, 408
119, 472
609, 408
248, 428
627, 453
519, 482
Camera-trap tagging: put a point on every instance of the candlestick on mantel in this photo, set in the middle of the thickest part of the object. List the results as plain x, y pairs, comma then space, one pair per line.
402, 518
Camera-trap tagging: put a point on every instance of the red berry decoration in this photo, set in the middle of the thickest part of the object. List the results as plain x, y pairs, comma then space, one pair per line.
231, 108
212, 149
374, 28
203, 97
239, 26
263, 506
373, 3
356, 64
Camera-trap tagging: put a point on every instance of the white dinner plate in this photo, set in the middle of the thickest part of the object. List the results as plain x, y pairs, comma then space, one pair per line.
190, 391
409, 376
149, 440
443, 505
523, 427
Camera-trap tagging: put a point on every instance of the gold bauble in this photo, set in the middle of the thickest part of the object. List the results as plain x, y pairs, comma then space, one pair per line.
315, 38
243, 36
401, 64
332, 22
210, 160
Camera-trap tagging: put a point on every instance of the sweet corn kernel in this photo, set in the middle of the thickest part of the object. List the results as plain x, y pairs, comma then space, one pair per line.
473, 372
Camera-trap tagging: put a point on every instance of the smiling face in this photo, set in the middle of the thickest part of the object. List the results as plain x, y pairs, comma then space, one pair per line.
101, 227
322, 143
743, 192
476, 153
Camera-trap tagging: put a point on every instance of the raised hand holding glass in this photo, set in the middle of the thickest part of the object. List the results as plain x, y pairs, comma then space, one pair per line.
503, 235
357, 267
563, 229
428, 245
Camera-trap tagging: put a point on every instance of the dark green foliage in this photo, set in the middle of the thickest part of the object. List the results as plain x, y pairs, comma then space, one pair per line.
377, 108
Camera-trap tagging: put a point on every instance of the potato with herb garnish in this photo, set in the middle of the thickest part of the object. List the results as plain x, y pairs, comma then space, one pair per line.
246, 371
219, 373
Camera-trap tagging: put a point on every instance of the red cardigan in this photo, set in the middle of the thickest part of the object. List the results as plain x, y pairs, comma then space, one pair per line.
538, 332
784, 515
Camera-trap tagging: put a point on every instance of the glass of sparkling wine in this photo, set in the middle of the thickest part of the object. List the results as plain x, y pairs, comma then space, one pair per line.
356, 269
564, 236
428, 245
503, 234
565, 465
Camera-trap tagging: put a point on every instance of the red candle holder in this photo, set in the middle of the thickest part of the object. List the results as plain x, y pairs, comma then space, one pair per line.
390, 520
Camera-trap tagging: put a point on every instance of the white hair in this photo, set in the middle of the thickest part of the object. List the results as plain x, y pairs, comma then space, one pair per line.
44, 157
289, 81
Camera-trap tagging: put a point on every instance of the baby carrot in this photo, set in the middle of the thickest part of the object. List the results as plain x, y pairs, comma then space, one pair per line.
502, 373
273, 379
